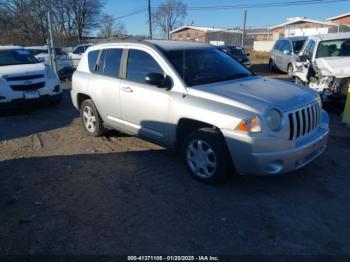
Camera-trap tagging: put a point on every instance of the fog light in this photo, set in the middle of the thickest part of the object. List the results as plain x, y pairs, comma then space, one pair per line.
274, 167
56, 89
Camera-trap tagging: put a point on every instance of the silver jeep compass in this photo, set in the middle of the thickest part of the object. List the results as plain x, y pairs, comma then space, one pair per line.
196, 98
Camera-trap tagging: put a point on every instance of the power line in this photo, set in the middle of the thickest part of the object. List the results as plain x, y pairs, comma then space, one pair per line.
261, 5
241, 6
133, 13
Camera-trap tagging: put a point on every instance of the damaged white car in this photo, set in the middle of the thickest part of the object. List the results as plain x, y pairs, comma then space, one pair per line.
324, 64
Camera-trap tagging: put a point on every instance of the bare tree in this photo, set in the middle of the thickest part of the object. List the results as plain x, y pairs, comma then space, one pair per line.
169, 15
109, 27
106, 26
86, 14
119, 29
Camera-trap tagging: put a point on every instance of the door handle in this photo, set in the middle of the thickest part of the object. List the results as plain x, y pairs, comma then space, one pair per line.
127, 89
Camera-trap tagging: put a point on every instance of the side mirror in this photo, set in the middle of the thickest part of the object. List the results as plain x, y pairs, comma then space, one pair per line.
286, 52
302, 59
40, 59
248, 54
158, 80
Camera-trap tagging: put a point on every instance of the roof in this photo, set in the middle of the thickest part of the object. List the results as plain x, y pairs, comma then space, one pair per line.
295, 20
332, 36
10, 47
295, 38
37, 47
173, 45
338, 16
162, 44
200, 28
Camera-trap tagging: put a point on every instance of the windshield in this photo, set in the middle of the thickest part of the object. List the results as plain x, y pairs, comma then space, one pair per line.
298, 45
59, 51
339, 47
234, 51
16, 57
205, 65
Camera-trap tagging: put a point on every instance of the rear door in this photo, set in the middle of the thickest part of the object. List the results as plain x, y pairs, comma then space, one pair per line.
279, 54
104, 82
286, 55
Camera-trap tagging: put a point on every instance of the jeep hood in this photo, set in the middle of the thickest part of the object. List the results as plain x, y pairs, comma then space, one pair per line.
27, 69
334, 66
257, 94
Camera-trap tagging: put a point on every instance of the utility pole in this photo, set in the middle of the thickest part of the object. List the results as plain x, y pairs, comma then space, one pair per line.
244, 26
51, 48
150, 18
167, 28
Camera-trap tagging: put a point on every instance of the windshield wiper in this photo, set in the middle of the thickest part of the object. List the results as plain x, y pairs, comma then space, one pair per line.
236, 76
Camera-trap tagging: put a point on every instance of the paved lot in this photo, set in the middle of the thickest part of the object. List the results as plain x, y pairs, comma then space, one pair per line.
64, 193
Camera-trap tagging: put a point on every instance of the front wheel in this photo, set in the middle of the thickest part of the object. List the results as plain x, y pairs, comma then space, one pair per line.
205, 154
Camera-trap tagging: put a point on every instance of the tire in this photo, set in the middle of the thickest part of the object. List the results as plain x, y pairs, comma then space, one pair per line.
212, 163
290, 70
272, 67
91, 119
298, 81
56, 102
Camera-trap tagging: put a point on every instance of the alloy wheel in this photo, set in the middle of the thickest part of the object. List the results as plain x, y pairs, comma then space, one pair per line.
201, 158
89, 119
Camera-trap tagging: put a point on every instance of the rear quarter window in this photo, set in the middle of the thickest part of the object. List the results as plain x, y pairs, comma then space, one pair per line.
92, 58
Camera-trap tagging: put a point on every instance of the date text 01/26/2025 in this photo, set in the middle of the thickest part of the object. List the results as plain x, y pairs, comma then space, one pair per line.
173, 258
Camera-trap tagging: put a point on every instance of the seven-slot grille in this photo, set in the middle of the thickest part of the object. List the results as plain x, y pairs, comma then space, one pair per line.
303, 121
24, 77
28, 87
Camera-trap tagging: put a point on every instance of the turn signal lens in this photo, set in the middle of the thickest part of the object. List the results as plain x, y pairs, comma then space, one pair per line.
252, 125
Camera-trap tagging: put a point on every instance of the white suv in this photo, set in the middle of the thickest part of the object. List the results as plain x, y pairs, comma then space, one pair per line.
201, 100
23, 79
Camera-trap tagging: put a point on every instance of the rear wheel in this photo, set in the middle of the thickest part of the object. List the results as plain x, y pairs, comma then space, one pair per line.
90, 118
205, 154
290, 70
298, 81
272, 67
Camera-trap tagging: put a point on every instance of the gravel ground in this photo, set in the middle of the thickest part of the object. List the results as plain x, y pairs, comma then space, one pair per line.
62, 192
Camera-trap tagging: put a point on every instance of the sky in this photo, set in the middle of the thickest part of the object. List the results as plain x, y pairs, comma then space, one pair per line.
229, 18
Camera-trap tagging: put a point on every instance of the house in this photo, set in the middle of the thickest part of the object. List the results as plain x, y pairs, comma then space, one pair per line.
193, 33
301, 26
343, 19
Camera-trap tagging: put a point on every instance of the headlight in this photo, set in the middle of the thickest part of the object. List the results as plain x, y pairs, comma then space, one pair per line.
50, 73
274, 118
319, 101
252, 125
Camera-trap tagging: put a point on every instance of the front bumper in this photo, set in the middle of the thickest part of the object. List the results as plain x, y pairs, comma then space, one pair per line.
249, 159
18, 103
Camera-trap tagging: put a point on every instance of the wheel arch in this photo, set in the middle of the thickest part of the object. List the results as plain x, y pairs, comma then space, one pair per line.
81, 97
187, 125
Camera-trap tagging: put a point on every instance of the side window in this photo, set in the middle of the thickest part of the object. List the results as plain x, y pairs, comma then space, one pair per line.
101, 63
141, 64
288, 47
92, 57
309, 49
277, 45
112, 62
78, 50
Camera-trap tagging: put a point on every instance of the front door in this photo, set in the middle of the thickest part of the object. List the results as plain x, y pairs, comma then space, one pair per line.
144, 108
